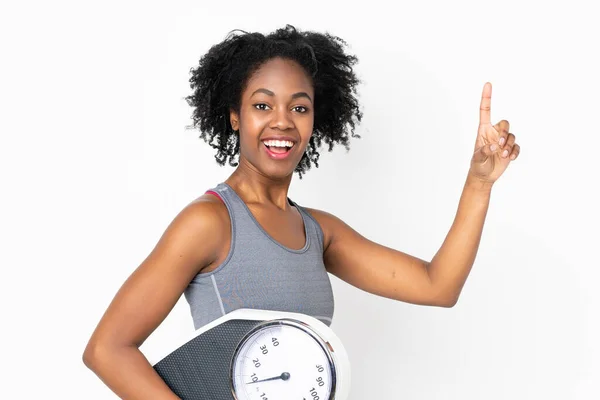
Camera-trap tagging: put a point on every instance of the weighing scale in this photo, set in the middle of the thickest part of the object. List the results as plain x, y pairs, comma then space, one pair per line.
251, 354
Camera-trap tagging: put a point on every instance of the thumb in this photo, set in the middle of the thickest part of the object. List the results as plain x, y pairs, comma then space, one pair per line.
484, 152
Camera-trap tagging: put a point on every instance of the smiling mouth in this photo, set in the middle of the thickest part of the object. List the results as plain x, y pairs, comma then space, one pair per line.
279, 150
278, 146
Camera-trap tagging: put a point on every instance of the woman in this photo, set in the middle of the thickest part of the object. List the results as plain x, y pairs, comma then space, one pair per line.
272, 101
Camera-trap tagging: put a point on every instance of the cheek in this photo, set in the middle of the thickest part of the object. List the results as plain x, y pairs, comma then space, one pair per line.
305, 127
253, 123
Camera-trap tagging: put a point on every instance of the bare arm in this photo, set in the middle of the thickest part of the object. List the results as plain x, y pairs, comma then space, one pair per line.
452, 264
393, 274
372, 267
189, 243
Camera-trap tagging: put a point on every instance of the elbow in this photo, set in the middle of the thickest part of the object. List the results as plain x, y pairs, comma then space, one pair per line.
95, 354
87, 359
444, 301
449, 303
90, 355
98, 353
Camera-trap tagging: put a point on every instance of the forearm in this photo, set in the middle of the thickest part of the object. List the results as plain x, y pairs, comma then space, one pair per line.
450, 267
128, 373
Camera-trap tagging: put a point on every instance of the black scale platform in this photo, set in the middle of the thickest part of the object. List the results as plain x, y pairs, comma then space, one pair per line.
200, 369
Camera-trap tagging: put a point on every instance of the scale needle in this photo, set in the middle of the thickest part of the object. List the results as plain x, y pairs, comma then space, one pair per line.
284, 376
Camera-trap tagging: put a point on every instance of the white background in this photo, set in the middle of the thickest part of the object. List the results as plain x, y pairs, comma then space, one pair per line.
96, 161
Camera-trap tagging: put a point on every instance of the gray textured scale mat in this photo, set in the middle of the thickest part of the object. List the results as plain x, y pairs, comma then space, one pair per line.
199, 370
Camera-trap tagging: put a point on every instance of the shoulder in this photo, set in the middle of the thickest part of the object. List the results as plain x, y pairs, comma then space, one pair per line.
208, 207
206, 213
204, 217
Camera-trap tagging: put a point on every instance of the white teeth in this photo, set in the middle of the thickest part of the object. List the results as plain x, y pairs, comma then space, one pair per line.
278, 143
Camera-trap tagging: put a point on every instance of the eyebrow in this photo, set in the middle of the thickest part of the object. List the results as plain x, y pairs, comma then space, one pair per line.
270, 93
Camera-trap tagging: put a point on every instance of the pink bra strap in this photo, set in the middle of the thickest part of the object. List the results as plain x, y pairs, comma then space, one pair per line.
215, 193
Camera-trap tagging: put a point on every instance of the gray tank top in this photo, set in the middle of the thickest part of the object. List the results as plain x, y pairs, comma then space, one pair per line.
261, 273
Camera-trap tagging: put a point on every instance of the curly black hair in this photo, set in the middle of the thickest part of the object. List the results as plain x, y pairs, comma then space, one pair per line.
223, 72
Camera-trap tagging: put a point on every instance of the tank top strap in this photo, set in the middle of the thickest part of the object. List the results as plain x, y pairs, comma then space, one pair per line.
229, 197
241, 219
313, 228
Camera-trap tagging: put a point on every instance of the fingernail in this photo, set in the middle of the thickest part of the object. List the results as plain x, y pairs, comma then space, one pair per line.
504, 153
493, 147
501, 141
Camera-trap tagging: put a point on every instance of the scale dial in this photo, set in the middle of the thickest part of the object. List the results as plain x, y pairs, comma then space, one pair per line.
283, 359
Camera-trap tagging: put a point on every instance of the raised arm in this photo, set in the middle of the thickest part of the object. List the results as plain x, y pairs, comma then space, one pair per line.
390, 273
396, 275
188, 244
375, 268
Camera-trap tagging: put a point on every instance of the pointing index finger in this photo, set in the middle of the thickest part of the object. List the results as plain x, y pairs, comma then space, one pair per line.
485, 106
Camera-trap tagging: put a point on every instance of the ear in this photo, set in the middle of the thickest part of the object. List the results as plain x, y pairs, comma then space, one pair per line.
234, 120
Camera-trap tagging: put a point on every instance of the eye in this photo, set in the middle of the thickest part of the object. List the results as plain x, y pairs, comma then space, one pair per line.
301, 109
261, 106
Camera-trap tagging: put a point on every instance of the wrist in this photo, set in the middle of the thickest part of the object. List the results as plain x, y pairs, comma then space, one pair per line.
478, 184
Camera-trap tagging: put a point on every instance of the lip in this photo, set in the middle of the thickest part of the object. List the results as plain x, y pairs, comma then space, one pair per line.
278, 156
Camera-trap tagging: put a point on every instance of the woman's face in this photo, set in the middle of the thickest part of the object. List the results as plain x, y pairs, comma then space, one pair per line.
276, 110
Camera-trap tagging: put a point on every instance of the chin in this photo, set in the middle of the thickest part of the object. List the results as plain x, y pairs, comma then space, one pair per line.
278, 172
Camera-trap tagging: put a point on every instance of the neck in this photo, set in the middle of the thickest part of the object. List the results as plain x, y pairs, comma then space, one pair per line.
254, 187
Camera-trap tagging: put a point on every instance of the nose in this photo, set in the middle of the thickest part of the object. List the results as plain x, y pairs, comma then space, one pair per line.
281, 119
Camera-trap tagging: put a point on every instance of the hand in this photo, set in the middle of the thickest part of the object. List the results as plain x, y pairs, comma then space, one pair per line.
495, 146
